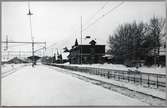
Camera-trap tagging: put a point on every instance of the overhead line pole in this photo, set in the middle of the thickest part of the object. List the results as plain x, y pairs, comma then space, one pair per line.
29, 13
6, 42
33, 50
81, 39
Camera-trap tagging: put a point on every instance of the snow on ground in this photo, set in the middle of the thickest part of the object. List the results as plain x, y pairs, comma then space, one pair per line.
136, 92
151, 91
42, 86
9, 67
144, 69
131, 86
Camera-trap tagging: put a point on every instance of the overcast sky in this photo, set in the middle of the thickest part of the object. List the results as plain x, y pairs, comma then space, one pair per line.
59, 22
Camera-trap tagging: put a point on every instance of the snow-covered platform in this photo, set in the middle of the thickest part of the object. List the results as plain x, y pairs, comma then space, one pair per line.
43, 86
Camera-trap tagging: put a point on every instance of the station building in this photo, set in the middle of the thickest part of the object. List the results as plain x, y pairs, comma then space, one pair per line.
86, 54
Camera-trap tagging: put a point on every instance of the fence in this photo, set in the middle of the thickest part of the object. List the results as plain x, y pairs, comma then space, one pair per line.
146, 79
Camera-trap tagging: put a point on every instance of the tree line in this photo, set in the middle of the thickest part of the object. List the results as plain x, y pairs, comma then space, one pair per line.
135, 42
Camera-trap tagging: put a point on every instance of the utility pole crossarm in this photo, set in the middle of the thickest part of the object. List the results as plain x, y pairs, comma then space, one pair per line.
24, 42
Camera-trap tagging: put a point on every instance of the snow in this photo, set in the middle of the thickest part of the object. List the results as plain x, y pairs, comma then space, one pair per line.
135, 87
43, 86
144, 69
9, 67
154, 92
64, 55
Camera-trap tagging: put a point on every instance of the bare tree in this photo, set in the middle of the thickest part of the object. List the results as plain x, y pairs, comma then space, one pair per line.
156, 32
133, 42
127, 42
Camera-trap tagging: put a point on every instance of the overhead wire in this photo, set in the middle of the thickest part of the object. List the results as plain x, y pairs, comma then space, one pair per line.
91, 18
51, 46
99, 18
16, 46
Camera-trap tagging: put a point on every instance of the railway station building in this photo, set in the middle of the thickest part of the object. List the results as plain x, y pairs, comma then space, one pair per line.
86, 54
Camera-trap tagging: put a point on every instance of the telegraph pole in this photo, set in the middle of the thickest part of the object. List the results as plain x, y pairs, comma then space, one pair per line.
29, 13
6, 42
81, 39
33, 51
8, 56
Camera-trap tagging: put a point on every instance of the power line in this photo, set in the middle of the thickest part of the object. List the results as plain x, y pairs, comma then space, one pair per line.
16, 46
51, 46
96, 13
91, 17
100, 16
101, 8
14, 42
111, 10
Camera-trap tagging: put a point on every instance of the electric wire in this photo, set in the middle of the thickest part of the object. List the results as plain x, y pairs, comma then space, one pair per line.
16, 46
89, 19
89, 25
92, 17
111, 10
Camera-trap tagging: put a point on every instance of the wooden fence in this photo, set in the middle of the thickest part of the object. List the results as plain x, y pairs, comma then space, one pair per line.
146, 79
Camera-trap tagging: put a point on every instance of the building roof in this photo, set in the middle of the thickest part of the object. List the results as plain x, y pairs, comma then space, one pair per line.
35, 57
92, 42
16, 60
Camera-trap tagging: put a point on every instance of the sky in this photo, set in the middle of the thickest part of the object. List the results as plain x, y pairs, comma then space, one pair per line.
59, 23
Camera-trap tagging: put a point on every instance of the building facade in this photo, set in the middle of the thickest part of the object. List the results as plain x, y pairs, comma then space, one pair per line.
86, 54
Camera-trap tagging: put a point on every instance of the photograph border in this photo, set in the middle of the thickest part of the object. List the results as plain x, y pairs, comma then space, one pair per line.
165, 1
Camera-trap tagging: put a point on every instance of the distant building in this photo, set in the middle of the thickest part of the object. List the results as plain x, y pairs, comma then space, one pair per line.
108, 58
90, 53
16, 60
